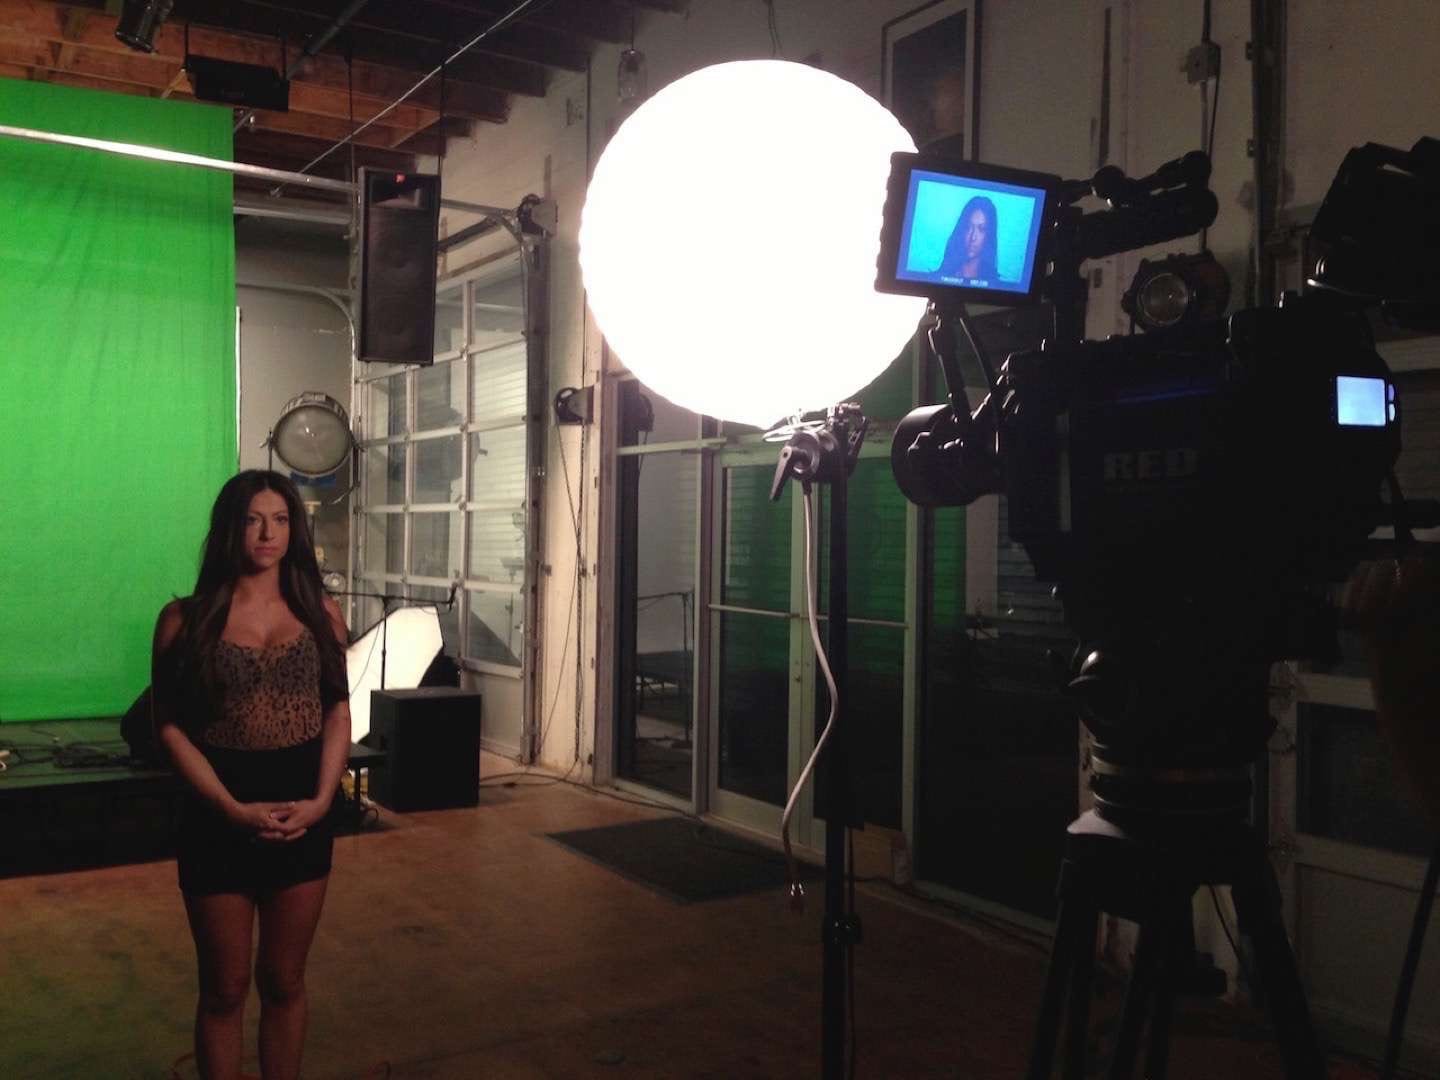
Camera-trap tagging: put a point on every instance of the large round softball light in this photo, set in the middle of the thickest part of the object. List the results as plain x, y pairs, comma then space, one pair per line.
729, 238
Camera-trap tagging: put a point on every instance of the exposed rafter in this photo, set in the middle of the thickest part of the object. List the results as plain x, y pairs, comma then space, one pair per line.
387, 46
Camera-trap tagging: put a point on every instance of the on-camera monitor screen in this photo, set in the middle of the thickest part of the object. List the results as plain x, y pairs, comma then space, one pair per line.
1360, 401
961, 230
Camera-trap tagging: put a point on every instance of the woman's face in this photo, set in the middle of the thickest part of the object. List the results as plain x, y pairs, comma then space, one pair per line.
267, 530
976, 229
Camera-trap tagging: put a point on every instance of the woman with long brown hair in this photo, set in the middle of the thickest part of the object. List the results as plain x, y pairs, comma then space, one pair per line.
251, 704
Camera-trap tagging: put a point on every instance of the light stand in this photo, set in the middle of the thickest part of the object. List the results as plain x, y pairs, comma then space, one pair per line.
385, 600
826, 454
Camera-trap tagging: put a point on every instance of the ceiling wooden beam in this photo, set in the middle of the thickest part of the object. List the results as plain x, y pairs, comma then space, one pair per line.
412, 58
595, 20
428, 31
423, 140
135, 72
328, 130
381, 83
300, 151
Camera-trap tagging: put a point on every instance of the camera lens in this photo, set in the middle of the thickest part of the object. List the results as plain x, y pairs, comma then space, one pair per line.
1164, 299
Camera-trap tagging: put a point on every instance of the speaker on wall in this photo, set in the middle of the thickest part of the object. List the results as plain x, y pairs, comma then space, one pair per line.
431, 738
399, 220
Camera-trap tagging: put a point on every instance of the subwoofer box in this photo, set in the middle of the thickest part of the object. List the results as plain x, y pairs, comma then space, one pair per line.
431, 738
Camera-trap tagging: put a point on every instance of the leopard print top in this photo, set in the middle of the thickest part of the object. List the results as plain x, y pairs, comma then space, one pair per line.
269, 695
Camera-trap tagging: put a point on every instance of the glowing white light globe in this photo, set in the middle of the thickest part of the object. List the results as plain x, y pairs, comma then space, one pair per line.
729, 238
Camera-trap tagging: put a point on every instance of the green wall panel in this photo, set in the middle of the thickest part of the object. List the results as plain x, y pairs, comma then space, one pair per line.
117, 388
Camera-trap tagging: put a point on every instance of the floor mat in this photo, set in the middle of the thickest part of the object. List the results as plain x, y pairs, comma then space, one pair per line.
683, 859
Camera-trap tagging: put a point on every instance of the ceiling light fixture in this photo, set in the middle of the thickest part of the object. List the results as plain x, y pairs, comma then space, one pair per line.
140, 21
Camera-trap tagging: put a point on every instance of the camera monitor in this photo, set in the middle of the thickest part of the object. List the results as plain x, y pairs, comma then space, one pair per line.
1363, 402
959, 228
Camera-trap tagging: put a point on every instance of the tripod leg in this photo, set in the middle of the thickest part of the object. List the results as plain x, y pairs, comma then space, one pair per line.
1070, 930
1178, 959
1150, 955
1077, 1020
1257, 903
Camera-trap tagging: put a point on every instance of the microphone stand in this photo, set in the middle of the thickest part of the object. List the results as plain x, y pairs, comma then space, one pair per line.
385, 599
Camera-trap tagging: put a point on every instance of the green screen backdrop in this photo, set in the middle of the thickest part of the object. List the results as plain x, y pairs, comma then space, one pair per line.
117, 388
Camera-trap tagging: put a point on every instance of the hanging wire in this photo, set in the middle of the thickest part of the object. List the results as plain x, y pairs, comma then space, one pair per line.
797, 891
498, 25
440, 128
776, 49
350, 109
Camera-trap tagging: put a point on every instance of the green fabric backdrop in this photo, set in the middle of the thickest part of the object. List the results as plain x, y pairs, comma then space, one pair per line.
117, 388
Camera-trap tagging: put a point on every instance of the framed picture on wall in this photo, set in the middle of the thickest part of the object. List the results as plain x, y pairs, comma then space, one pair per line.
931, 76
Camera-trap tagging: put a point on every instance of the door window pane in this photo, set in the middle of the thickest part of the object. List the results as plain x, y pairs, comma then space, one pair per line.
367, 609
435, 545
497, 468
385, 474
498, 315
437, 470
385, 543
756, 567
497, 547
876, 513
385, 407
440, 396
450, 319
754, 705
449, 617
656, 620
1349, 787
496, 627
500, 375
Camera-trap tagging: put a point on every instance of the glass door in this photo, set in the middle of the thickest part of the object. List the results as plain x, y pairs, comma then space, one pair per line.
769, 701
759, 681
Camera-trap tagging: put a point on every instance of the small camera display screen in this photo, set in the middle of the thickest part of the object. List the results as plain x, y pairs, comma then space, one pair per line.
1362, 402
965, 230
969, 232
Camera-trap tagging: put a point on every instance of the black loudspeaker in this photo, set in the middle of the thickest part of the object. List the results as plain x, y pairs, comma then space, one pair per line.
231, 83
399, 220
431, 738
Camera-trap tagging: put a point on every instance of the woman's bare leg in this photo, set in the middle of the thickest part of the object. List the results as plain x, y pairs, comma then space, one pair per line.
288, 919
222, 926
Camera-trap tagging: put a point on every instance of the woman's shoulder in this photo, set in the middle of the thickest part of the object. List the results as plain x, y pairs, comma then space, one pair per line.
170, 621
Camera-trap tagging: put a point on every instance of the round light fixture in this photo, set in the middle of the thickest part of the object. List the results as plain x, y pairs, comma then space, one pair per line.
729, 237
312, 436
1177, 289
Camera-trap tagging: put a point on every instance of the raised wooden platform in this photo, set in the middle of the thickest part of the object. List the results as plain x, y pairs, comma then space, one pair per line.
71, 796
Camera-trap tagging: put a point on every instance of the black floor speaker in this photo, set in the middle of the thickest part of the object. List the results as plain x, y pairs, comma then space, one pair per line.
431, 738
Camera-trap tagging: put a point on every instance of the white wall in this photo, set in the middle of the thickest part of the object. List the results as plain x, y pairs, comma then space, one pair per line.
291, 342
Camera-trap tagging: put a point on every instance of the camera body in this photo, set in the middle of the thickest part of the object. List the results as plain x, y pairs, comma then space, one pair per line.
1191, 491
1239, 461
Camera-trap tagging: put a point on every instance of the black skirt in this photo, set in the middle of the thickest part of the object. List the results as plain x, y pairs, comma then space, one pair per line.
216, 857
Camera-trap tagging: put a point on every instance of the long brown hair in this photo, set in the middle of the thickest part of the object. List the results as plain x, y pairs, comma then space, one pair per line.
222, 562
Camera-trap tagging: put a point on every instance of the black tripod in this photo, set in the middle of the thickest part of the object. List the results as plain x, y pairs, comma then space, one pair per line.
1150, 879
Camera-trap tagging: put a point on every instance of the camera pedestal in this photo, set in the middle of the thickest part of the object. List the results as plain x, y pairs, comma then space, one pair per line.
1148, 875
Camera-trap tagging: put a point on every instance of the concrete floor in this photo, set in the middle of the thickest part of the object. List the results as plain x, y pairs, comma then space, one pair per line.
464, 943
